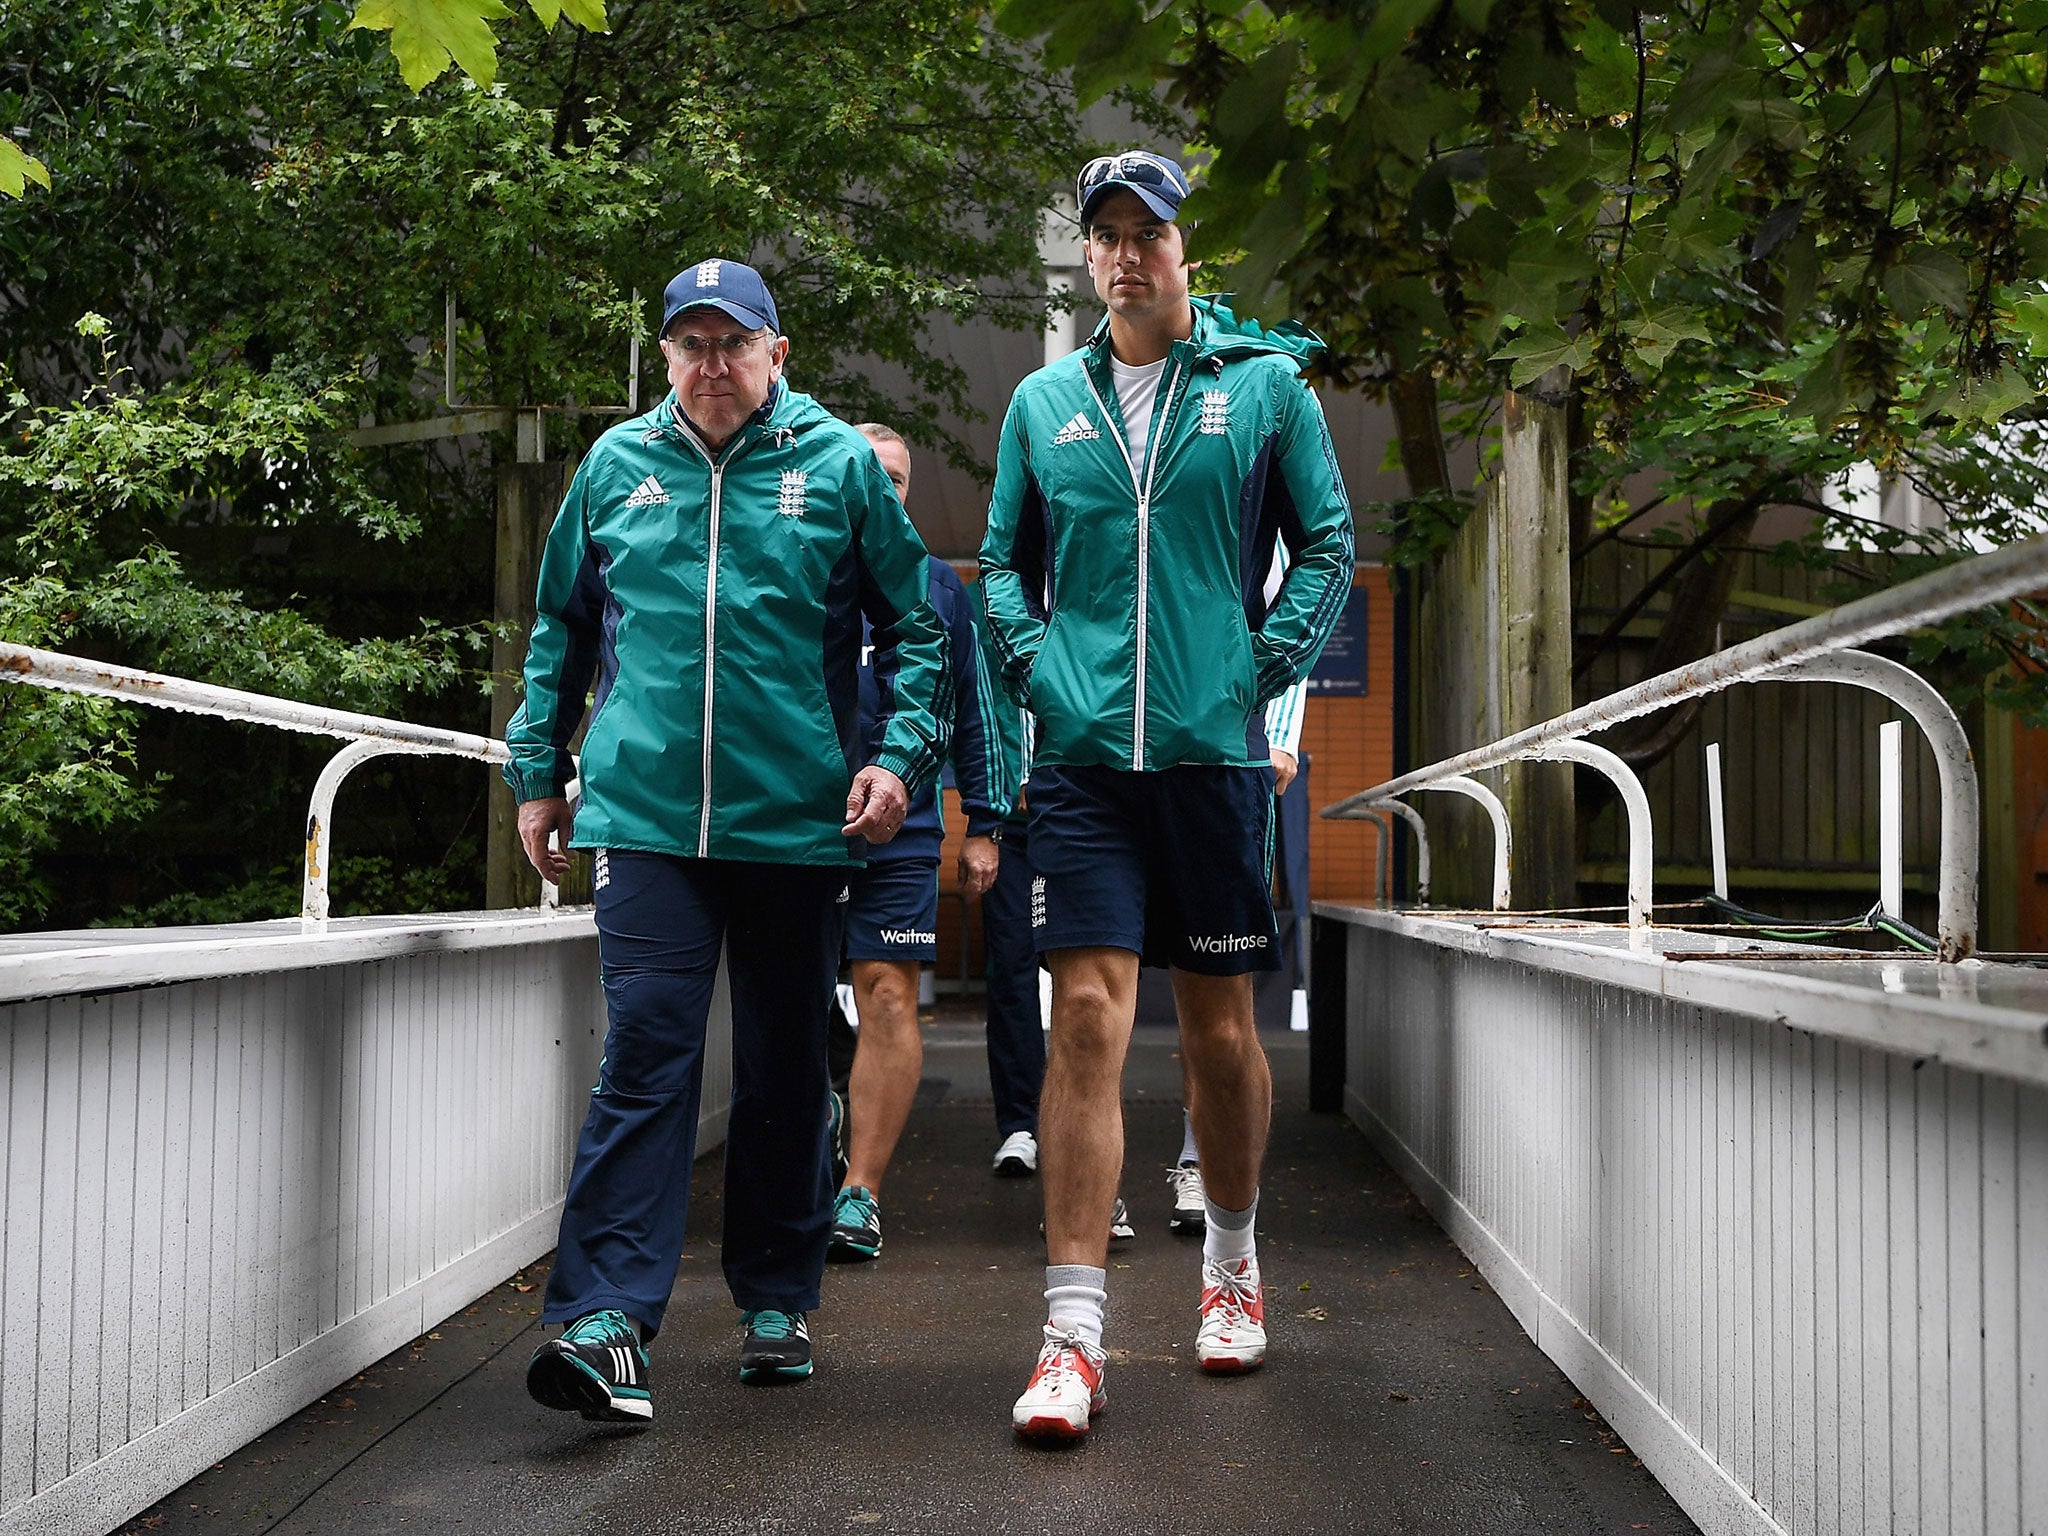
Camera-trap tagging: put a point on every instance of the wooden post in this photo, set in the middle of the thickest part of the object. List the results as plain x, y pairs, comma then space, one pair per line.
1535, 597
528, 497
1493, 655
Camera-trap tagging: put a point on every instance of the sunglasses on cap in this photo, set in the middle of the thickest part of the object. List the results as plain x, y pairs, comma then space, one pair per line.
1135, 168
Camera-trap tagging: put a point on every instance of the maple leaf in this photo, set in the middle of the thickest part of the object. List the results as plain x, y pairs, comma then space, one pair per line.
18, 168
428, 35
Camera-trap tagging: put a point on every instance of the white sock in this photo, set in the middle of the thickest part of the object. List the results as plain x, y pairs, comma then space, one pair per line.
1230, 1234
1074, 1298
1188, 1154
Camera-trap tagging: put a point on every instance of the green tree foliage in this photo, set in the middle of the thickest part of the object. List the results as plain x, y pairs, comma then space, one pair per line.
270, 219
1749, 243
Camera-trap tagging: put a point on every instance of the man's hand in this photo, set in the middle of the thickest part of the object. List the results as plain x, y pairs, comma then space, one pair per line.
876, 805
537, 818
979, 860
1284, 769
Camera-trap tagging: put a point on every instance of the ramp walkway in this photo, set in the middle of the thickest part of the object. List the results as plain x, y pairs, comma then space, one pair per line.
1401, 1395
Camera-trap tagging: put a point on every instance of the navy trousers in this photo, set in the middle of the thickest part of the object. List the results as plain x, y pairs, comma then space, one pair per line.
1016, 1040
661, 921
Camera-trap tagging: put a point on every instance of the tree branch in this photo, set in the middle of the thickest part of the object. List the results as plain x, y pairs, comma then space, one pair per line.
1722, 520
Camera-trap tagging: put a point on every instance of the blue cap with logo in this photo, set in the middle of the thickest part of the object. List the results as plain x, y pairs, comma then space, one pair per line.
1159, 183
732, 287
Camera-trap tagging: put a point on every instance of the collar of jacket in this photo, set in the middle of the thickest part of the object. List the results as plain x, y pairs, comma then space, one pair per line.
667, 420
1219, 336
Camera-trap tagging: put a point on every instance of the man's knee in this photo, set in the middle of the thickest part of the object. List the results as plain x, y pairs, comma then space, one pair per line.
886, 994
1091, 1018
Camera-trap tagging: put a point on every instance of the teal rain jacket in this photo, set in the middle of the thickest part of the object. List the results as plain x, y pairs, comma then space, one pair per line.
1126, 601
718, 605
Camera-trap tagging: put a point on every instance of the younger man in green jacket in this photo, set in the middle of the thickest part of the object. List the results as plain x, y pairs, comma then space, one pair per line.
1141, 484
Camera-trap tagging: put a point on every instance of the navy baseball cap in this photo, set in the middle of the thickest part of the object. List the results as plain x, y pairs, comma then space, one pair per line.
1159, 183
730, 286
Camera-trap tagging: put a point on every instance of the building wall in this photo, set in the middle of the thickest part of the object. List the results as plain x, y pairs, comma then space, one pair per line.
1349, 743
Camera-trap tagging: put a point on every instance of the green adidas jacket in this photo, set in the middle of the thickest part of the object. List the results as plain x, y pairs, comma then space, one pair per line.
1125, 602
718, 606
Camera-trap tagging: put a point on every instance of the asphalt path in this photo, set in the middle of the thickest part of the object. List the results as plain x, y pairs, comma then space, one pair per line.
1399, 1394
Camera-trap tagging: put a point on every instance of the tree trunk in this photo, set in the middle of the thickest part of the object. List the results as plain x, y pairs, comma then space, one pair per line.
1420, 432
1493, 655
1691, 630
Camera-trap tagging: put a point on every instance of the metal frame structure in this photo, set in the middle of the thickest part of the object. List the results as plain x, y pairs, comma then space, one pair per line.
1819, 649
367, 736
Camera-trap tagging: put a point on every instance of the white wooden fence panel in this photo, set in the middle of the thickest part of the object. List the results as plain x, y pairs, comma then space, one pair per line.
1801, 1273
245, 1164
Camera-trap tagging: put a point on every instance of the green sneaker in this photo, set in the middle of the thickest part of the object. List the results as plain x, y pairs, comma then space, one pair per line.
776, 1346
856, 1226
598, 1368
835, 1130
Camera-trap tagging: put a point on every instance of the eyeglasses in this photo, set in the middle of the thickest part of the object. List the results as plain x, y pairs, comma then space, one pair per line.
696, 349
1135, 167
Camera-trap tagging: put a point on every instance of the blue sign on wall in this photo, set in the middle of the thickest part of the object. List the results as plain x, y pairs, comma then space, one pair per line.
1340, 670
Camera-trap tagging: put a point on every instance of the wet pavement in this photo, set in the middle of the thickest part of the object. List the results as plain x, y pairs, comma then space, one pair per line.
1399, 1395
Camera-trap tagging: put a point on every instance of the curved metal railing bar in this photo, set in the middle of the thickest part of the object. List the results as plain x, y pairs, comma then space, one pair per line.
1382, 856
1955, 769
368, 736
1420, 828
77, 674
1503, 846
1634, 801
2014, 571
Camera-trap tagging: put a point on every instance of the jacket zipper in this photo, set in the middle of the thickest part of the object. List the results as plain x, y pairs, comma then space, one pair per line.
710, 634
1142, 487
710, 651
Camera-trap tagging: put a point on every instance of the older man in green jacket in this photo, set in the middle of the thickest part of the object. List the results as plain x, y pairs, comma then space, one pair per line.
710, 568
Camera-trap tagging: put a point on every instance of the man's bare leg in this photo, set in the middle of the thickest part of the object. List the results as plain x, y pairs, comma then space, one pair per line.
1228, 1083
886, 1066
1080, 1111
1231, 1106
1081, 1157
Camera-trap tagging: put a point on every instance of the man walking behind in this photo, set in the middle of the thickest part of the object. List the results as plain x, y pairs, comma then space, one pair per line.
892, 908
711, 565
1141, 484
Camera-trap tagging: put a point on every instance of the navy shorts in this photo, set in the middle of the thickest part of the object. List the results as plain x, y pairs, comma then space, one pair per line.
892, 911
1175, 865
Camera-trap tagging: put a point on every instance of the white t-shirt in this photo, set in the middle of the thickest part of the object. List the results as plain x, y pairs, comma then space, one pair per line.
1137, 389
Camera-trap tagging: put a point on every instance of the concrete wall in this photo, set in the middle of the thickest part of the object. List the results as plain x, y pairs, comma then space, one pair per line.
241, 1164
1783, 1221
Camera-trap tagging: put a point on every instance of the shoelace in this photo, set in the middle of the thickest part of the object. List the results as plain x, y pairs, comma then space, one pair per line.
855, 1203
767, 1324
1052, 1359
598, 1328
1185, 1182
1234, 1292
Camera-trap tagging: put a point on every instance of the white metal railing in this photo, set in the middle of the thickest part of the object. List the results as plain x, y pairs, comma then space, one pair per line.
368, 736
1819, 649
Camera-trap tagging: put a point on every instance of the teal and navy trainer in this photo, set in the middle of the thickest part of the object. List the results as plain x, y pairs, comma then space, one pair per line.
598, 1367
856, 1226
835, 1130
777, 1346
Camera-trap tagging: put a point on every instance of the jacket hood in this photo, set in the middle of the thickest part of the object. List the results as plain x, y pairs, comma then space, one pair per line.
1221, 333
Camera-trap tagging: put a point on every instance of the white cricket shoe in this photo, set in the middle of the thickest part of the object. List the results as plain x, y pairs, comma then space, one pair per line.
1233, 1333
1190, 1202
1065, 1391
1017, 1156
